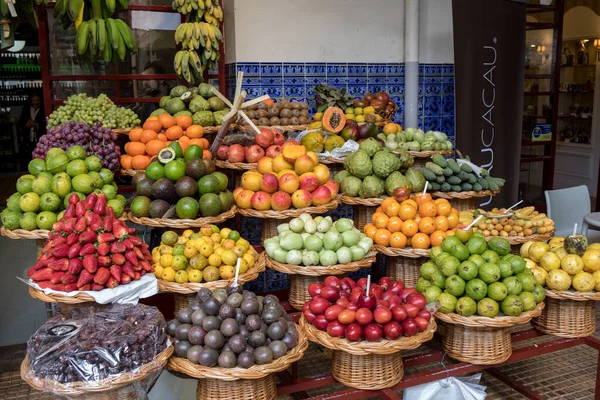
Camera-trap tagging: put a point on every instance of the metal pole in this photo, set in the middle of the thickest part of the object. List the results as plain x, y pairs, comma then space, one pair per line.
411, 63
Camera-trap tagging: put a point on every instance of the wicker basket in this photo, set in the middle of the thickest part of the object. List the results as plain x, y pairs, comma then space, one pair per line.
481, 340
224, 164
23, 234
269, 227
405, 269
291, 213
301, 277
132, 172
122, 131
387, 115
79, 300
331, 160
464, 200
283, 128
362, 209
181, 223
118, 388
254, 383
367, 365
568, 314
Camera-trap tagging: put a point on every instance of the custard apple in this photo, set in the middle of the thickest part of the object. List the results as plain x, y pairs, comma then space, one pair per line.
198, 103
371, 146
359, 164
350, 186
384, 163
204, 118
371, 187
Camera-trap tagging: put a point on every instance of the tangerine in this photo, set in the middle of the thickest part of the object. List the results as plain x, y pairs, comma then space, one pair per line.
410, 227
443, 207
427, 225
398, 240
379, 209
392, 209
174, 133
412, 202
394, 224
162, 137
420, 241
148, 135
203, 143
194, 132
135, 134
450, 232
126, 161
380, 220
407, 211
207, 154
427, 209
152, 118
184, 142
437, 237
153, 125
183, 121
421, 198
140, 162
387, 201
154, 146
382, 237
452, 220
441, 223
135, 149
369, 230
166, 120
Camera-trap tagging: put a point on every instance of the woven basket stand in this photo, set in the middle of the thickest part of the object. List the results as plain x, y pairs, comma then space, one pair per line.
571, 315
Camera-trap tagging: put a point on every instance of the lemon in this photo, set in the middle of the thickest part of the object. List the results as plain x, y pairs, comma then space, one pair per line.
561, 252
218, 251
179, 262
187, 233
190, 251
216, 238
359, 118
556, 242
537, 250
169, 274
210, 274
540, 275
229, 257
158, 271
225, 232
369, 110
596, 276
243, 266
594, 246
164, 249
524, 251
182, 240
198, 243
584, 282
181, 277
572, 264
166, 260
155, 257
238, 251
195, 236
206, 249
227, 271
178, 250
358, 111
249, 259
228, 244
198, 262
169, 237
558, 279
208, 240
243, 244
195, 276
591, 260
550, 261
214, 260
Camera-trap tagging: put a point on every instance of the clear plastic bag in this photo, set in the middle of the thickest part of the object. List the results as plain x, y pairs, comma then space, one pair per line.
462, 388
91, 347
348, 148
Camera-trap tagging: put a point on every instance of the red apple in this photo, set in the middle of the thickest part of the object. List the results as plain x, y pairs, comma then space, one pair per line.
309, 316
254, 153
395, 300
399, 313
236, 153
320, 322
318, 305
397, 287
265, 138
222, 152
314, 289
273, 151
409, 327
373, 333
424, 314
417, 299
392, 330
330, 293
411, 310
350, 282
332, 281
421, 323
335, 329
333, 311
406, 292
353, 306
385, 282
364, 316
367, 301
342, 301
354, 332
382, 315
347, 317
362, 282
278, 137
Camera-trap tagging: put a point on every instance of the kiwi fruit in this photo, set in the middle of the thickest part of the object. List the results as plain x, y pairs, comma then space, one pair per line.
295, 105
208, 357
214, 340
185, 315
172, 326
182, 331
240, 317
284, 121
284, 103
181, 348
193, 353
276, 331
273, 112
245, 359
257, 339
304, 106
261, 106
263, 121
211, 306
285, 113
261, 113
278, 348
250, 306
304, 113
203, 294
227, 311
196, 335
227, 359
294, 121
274, 121
210, 323
304, 120
235, 299
237, 343
295, 112
198, 317
254, 121
253, 323
230, 327
250, 114
263, 355
290, 340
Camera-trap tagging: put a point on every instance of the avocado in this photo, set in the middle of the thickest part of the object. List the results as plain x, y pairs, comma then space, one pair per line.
167, 154
144, 187
186, 187
164, 189
158, 208
195, 168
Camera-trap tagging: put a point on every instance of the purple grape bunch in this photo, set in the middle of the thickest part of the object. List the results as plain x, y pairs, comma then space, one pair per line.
96, 140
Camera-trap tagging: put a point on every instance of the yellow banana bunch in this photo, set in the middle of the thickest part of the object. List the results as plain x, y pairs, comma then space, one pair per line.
200, 42
188, 65
200, 10
108, 39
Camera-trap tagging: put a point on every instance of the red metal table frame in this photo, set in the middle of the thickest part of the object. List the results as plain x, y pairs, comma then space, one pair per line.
292, 384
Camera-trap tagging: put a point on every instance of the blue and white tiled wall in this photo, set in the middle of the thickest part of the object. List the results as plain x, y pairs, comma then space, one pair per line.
296, 81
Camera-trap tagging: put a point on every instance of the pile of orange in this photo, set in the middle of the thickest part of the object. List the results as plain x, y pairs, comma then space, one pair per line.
156, 134
419, 223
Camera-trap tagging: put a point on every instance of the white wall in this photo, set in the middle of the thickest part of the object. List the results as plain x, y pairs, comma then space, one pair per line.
334, 31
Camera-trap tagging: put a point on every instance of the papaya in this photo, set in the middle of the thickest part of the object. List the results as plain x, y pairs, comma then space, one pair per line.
313, 141
291, 153
333, 142
334, 119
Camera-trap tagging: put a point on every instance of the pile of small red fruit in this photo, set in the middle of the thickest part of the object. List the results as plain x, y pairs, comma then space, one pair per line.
342, 308
266, 143
90, 249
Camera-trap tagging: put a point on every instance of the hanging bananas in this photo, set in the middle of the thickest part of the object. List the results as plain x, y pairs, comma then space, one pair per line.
98, 36
207, 10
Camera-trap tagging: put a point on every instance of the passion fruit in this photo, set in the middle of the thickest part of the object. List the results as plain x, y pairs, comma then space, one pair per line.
182, 331
246, 359
263, 355
181, 348
210, 323
278, 348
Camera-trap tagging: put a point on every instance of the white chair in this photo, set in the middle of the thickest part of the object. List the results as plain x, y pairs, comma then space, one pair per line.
567, 207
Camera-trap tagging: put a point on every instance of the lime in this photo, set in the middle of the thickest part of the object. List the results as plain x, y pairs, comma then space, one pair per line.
229, 257
83, 183
28, 221
234, 235
13, 202
174, 170
97, 179
61, 186
192, 151
30, 202
107, 176
24, 183
76, 153
109, 191
178, 250
41, 185
36, 166
179, 262
210, 205
117, 207
10, 219
140, 206
155, 171
45, 220
76, 167
187, 208
49, 202
222, 179
66, 198
93, 163
208, 184
169, 238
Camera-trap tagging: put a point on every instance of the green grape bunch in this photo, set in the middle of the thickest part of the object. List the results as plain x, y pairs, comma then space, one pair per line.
89, 110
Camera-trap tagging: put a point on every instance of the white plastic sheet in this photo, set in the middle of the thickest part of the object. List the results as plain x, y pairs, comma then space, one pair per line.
462, 388
348, 148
